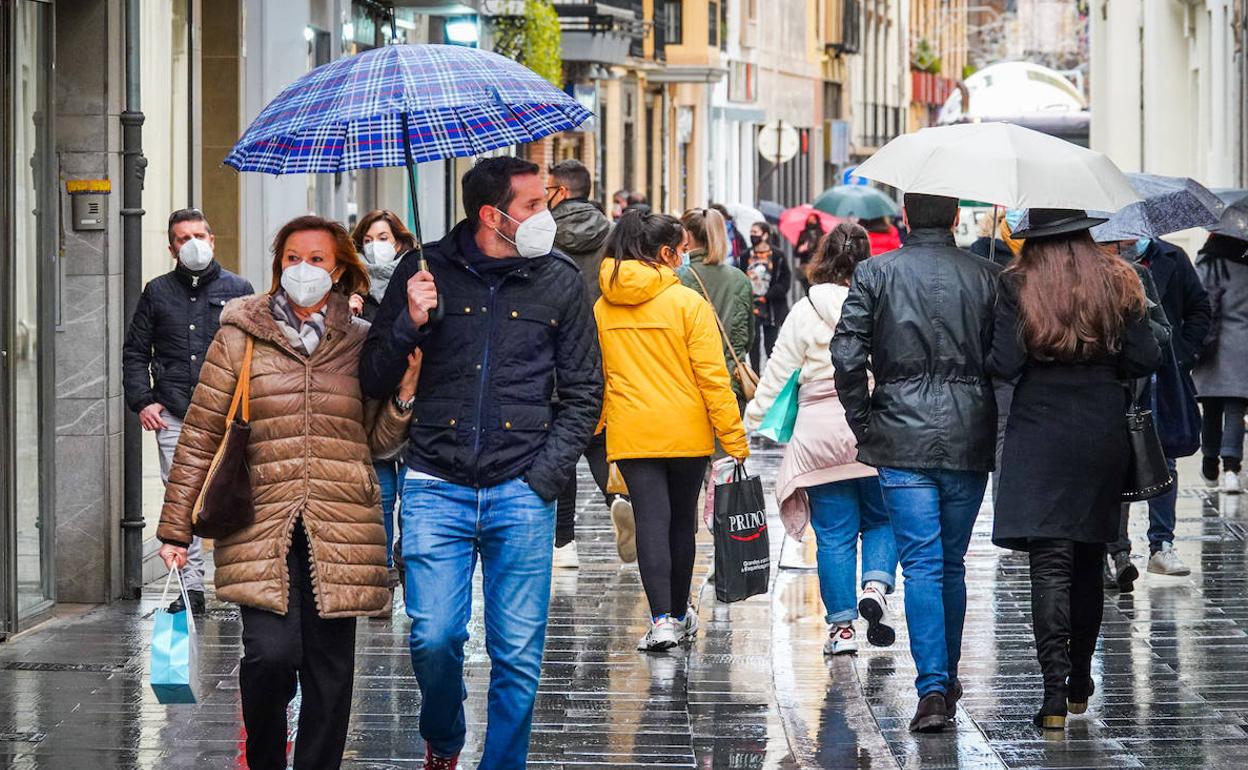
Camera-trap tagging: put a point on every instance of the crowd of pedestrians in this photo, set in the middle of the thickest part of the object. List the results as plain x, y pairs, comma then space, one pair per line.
418, 409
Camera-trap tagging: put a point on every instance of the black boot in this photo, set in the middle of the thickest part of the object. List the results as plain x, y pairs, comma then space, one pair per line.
930, 716
1079, 692
1052, 567
1052, 715
1087, 606
198, 606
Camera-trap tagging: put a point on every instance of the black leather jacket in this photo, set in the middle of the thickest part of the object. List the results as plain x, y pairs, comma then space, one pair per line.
503, 347
176, 318
920, 320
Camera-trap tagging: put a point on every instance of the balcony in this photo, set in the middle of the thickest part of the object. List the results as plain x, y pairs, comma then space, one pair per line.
600, 32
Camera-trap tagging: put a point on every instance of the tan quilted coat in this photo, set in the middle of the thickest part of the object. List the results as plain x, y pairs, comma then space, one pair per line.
309, 455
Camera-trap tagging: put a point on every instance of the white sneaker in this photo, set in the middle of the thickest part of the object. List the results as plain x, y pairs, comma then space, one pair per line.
873, 607
625, 529
1167, 562
689, 629
664, 634
566, 558
1231, 484
842, 640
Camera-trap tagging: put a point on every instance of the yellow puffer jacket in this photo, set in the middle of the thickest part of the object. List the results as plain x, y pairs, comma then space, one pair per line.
667, 387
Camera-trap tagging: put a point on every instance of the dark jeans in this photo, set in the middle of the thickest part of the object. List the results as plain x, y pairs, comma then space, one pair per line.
1067, 602
765, 336
1161, 518
1222, 430
565, 514
664, 492
298, 648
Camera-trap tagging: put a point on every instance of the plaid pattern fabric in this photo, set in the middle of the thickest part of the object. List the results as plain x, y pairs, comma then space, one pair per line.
348, 114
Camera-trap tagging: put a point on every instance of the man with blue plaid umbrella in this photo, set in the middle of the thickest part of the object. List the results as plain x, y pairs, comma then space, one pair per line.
488, 453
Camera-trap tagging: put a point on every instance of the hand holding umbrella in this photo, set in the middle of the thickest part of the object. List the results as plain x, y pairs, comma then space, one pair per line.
422, 297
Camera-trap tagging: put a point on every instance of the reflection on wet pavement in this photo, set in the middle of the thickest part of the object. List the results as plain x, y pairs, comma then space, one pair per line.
754, 692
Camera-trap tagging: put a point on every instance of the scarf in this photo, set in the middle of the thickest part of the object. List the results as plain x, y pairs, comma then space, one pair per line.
379, 277
303, 336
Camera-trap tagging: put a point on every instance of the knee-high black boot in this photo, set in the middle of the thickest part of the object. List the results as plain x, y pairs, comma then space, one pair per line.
1051, 572
1087, 607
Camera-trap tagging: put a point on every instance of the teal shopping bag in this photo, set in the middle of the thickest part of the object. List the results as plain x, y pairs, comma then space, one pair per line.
778, 424
174, 665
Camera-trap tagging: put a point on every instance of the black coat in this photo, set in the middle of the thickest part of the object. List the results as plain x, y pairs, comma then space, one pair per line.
176, 318
1066, 448
1190, 314
775, 309
983, 247
920, 319
483, 412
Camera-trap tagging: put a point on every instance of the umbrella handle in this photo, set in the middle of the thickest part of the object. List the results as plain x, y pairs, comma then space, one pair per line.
421, 263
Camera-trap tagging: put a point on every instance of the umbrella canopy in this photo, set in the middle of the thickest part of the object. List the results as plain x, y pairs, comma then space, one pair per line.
400, 104
793, 221
853, 200
1234, 220
1000, 163
771, 210
744, 215
1168, 204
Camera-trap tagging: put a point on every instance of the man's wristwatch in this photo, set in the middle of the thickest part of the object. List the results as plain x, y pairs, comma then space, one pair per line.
402, 405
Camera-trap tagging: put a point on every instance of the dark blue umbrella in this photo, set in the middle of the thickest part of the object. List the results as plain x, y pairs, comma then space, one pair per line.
1167, 204
771, 211
401, 105
1234, 221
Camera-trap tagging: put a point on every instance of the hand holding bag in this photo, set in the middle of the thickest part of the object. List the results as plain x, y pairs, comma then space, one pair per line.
742, 546
744, 373
1147, 474
175, 663
225, 505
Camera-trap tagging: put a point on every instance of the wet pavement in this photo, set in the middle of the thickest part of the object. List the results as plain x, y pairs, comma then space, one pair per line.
753, 692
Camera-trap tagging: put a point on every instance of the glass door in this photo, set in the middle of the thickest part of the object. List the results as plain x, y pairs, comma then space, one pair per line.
26, 312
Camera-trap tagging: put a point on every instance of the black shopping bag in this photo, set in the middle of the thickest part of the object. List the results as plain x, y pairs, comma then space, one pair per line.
742, 547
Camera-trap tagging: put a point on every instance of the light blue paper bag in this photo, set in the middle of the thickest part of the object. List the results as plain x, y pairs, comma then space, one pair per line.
175, 670
778, 423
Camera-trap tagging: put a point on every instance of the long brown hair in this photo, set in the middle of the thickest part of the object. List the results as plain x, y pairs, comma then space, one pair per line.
838, 253
354, 279
403, 238
1074, 297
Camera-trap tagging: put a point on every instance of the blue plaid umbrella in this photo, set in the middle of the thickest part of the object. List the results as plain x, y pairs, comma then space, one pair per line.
401, 105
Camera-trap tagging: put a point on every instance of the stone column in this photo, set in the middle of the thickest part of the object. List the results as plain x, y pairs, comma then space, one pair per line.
88, 406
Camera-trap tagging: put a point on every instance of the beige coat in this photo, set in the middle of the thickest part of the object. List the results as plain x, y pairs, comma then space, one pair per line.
309, 456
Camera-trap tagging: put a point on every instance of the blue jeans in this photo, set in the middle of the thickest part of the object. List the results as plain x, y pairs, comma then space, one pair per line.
839, 512
933, 512
445, 528
388, 483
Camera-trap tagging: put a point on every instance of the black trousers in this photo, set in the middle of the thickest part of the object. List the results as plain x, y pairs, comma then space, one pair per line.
664, 493
1067, 604
300, 647
565, 505
765, 336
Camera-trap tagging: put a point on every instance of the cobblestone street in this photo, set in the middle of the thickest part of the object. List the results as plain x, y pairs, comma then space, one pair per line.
755, 692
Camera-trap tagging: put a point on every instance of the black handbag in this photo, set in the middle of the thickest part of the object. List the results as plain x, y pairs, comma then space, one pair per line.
1147, 474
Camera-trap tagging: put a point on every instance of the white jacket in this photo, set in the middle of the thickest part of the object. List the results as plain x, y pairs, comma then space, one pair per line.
803, 342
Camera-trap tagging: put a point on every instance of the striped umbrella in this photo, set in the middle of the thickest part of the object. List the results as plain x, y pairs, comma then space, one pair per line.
400, 105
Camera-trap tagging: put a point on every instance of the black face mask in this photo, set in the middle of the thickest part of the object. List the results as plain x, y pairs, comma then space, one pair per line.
755, 239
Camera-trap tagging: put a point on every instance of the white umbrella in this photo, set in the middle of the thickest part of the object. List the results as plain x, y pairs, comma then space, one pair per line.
744, 215
1000, 163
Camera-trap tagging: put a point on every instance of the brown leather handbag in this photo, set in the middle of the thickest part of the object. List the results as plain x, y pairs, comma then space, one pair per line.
225, 505
745, 374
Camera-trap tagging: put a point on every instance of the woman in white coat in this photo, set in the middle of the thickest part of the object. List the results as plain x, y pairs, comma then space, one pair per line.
820, 480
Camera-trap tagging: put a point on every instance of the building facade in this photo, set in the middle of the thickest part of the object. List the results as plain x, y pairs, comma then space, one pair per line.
1168, 85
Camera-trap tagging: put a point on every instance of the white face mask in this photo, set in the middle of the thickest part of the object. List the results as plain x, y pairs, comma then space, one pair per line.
380, 252
195, 255
535, 236
306, 284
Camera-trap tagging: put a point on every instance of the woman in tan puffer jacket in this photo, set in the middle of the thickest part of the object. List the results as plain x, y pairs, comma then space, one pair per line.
315, 557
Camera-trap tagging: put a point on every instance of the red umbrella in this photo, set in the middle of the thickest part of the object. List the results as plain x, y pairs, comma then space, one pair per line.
793, 221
